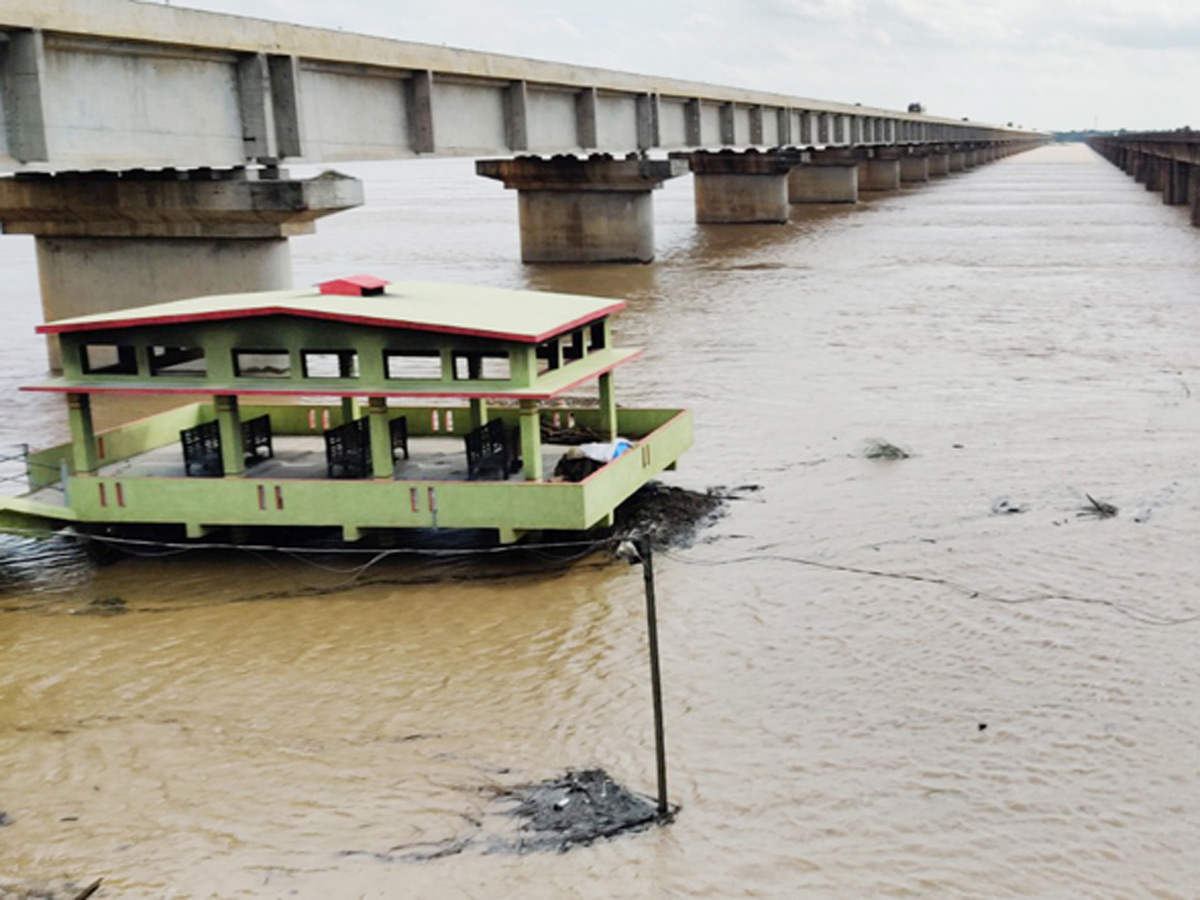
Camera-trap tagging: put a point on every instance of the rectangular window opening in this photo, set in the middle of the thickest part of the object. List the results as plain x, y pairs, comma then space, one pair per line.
329, 363
413, 365
547, 356
574, 345
178, 362
108, 359
262, 364
481, 366
596, 335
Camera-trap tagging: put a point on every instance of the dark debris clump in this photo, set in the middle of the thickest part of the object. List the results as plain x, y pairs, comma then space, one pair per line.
61, 890
1098, 508
578, 807
670, 515
881, 449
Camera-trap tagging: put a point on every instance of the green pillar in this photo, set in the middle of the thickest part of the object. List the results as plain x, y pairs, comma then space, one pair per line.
608, 407
479, 412
382, 464
229, 421
83, 435
531, 439
346, 370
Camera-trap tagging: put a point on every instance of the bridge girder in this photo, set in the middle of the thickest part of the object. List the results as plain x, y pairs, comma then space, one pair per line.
119, 85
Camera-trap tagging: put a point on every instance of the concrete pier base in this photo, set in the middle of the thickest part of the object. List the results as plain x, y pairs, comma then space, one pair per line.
824, 180
108, 242
584, 210
879, 174
741, 198
80, 276
939, 164
1177, 187
1155, 172
970, 159
958, 161
741, 188
914, 169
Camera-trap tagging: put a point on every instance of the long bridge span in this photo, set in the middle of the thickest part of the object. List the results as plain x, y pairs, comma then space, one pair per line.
142, 144
1164, 161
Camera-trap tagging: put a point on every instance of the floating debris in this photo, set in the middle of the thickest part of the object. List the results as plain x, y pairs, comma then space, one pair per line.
46, 890
671, 516
104, 606
879, 449
1005, 507
1098, 508
577, 808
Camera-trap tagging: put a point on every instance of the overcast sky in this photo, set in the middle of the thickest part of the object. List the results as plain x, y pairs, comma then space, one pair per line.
1049, 64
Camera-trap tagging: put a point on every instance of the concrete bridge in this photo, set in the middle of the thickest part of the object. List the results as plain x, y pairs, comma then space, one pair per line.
143, 144
1165, 161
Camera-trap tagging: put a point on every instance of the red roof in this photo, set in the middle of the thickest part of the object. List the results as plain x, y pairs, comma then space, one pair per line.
354, 286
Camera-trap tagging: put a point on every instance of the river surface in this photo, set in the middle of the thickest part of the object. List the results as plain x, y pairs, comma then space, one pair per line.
932, 676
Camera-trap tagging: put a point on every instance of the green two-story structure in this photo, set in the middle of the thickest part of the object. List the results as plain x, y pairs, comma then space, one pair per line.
356, 406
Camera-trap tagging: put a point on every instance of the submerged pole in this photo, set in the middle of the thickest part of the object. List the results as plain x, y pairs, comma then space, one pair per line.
645, 551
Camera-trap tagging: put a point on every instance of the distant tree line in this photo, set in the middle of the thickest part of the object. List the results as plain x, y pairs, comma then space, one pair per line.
1067, 136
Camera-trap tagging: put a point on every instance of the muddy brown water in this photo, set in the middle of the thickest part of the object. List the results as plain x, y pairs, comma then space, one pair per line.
248, 725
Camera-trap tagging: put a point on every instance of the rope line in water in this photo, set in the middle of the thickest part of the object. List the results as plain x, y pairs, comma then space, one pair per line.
145, 549
1132, 612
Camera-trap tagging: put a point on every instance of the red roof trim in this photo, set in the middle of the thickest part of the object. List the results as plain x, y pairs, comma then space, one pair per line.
315, 391
219, 315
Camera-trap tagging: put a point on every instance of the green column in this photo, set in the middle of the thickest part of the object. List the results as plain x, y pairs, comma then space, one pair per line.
531, 439
83, 435
229, 421
382, 464
346, 370
608, 407
479, 412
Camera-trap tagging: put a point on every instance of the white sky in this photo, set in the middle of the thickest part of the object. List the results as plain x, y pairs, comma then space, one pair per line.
1048, 64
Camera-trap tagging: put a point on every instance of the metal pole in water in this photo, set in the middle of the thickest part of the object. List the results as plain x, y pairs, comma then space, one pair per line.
660, 748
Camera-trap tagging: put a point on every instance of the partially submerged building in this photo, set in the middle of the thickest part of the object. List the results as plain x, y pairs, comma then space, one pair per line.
355, 406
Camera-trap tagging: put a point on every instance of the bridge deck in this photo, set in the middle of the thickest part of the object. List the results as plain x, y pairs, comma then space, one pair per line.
117, 84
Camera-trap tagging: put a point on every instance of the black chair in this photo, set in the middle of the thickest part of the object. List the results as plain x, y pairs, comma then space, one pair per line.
202, 451
256, 440
398, 429
493, 452
348, 450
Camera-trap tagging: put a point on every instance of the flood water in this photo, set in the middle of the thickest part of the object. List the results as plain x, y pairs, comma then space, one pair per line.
880, 680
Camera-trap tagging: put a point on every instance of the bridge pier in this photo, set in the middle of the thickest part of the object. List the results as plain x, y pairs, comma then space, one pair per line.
105, 242
939, 164
830, 176
1129, 162
958, 161
880, 173
741, 188
1177, 185
914, 169
1154, 173
584, 210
